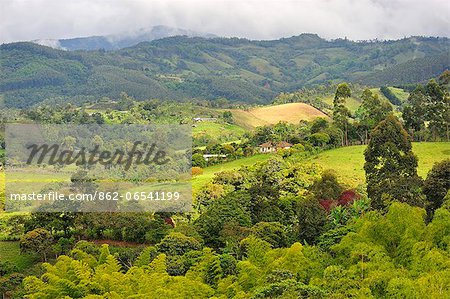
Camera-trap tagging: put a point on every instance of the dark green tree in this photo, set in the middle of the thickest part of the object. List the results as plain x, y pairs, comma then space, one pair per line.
38, 241
272, 232
327, 187
228, 209
318, 125
198, 161
414, 111
319, 139
371, 112
311, 219
436, 185
228, 117
177, 244
437, 106
391, 166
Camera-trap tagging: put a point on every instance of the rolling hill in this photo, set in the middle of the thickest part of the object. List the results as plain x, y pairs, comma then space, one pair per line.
118, 41
290, 113
348, 162
240, 70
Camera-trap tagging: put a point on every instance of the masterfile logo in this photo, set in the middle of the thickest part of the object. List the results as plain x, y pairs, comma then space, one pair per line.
124, 168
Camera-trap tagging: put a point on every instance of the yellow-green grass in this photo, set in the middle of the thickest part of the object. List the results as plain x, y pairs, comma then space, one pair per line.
208, 172
10, 252
32, 180
348, 162
292, 113
400, 93
239, 141
218, 130
379, 93
351, 103
7, 231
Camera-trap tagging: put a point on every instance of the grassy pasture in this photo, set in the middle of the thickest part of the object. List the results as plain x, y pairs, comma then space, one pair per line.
10, 252
348, 162
351, 103
208, 173
400, 93
219, 131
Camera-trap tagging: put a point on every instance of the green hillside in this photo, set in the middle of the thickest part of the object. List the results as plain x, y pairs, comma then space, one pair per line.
219, 132
181, 68
411, 71
348, 162
208, 173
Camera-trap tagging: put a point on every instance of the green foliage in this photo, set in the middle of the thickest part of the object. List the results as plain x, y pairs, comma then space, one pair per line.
146, 256
63, 246
38, 240
12, 226
437, 185
428, 108
342, 92
390, 96
75, 279
272, 232
319, 139
198, 161
413, 71
318, 125
225, 210
228, 117
327, 187
437, 109
391, 166
156, 230
311, 219
372, 111
340, 111
378, 256
177, 244
414, 111
254, 250
10, 283
131, 227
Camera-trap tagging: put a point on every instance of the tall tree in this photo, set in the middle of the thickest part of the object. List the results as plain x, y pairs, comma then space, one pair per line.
340, 111
414, 111
372, 111
38, 240
391, 166
444, 78
436, 185
437, 105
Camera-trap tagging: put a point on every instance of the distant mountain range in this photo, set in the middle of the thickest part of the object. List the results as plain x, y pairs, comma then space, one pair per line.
181, 68
119, 41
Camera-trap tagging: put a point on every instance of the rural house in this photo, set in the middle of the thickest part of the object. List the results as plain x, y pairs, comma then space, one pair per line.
269, 147
200, 119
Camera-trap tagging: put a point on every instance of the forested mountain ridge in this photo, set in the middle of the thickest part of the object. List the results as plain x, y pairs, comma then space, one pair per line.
118, 41
192, 67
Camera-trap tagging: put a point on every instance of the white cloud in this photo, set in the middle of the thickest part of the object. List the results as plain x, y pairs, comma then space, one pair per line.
256, 19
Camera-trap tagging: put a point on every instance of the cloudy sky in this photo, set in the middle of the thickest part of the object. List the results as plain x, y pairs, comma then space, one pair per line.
255, 19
